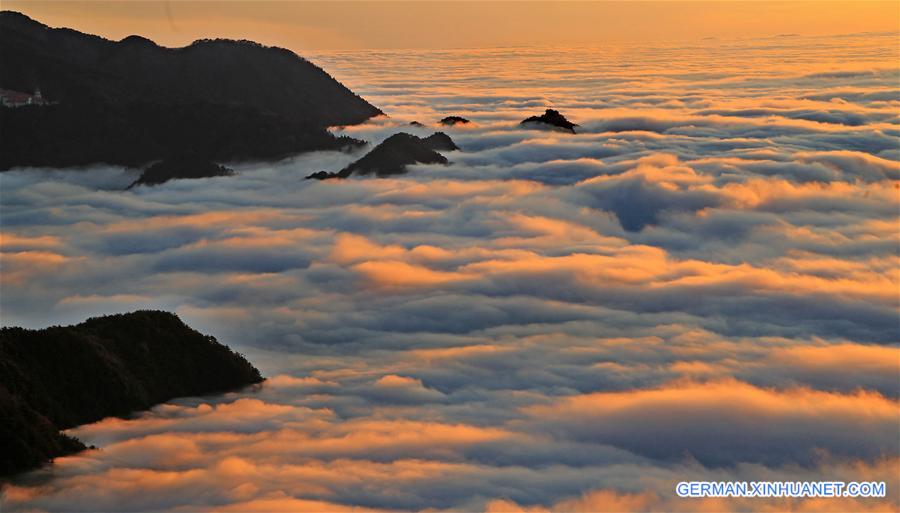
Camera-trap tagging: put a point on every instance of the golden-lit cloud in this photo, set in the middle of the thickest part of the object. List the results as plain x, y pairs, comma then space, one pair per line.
701, 283
717, 421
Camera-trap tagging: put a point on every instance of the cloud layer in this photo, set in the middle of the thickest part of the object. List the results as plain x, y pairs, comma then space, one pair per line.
700, 284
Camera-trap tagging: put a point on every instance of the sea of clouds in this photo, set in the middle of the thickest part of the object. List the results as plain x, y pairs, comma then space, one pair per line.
701, 284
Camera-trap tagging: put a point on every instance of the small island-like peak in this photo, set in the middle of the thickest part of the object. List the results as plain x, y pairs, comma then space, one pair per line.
454, 120
394, 154
180, 168
550, 117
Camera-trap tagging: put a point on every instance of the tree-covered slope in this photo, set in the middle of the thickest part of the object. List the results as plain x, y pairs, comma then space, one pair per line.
132, 101
60, 377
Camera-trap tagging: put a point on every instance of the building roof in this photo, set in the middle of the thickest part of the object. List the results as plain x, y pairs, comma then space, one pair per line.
15, 96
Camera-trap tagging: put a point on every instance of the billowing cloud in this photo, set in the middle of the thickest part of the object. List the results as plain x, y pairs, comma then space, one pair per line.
722, 422
701, 284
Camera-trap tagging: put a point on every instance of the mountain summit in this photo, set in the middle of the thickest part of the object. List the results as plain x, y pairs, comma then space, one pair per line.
60, 377
394, 154
132, 101
551, 118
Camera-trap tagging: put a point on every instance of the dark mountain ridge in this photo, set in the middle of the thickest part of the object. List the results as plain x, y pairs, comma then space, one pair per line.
60, 377
133, 101
439, 141
393, 155
181, 168
454, 120
550, 118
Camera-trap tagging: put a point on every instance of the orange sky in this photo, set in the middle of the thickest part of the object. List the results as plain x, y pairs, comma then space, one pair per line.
458, 24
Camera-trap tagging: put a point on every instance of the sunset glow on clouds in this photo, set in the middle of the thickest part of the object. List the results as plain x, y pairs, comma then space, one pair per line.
702, 283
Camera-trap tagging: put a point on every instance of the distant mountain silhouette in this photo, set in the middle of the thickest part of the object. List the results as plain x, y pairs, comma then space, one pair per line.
393, 155
61, 377
440, 141
132, 101
179, 168
454, 120
552, 118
